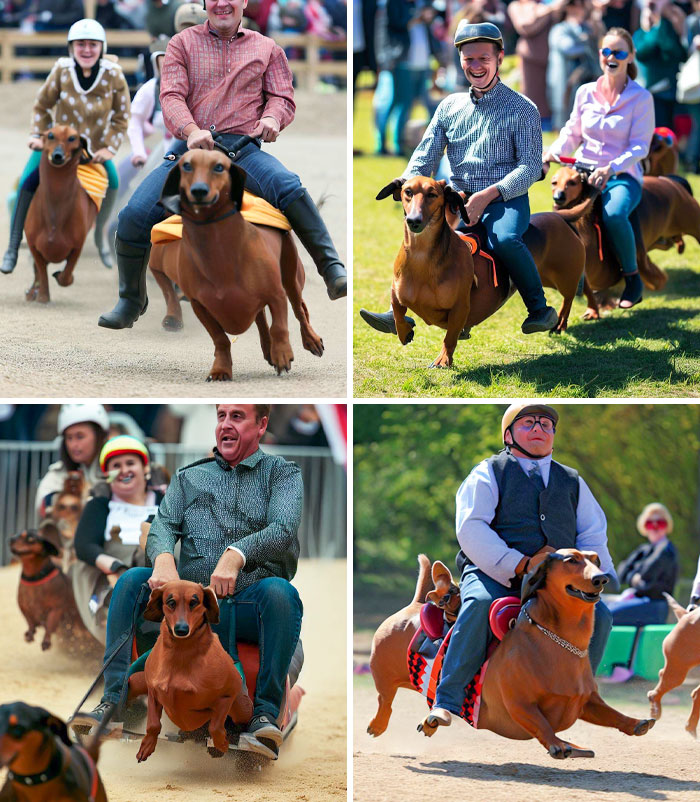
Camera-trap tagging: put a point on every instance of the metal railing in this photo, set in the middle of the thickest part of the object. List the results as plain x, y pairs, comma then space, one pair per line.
323, 527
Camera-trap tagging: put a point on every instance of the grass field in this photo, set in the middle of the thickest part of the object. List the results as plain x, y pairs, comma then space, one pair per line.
651, 351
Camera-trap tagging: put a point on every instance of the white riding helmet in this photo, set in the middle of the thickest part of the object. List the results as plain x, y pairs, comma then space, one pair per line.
88, 29
82, 413
189, 14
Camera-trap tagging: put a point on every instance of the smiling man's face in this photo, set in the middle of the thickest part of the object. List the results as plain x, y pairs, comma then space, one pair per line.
238, 431
225, 15
480, 62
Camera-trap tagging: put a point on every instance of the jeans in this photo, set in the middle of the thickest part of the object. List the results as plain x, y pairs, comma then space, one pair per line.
620, 196
265, 176
466, 650
637, 611
268, 613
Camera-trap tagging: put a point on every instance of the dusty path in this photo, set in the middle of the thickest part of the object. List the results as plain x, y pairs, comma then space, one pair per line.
313, 762
58, 349
461, 763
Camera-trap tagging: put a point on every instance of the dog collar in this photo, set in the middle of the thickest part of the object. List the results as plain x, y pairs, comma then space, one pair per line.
565, 643
48, 572
52, 771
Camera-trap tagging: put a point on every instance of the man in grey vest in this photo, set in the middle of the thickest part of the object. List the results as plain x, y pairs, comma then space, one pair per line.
513, 509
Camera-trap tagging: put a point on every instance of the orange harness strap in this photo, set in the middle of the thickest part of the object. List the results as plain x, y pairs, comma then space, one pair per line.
473, 244
600, 241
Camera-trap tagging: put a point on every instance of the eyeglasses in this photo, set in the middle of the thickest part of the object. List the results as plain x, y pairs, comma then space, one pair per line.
68, 507
621, 55
528, 424
656, 523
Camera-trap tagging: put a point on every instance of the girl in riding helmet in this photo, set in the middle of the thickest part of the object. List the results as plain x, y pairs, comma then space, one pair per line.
89, 92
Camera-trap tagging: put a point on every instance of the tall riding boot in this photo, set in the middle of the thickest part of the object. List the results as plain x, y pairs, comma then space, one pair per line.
103, 217
131, 263
311, 230
24, 198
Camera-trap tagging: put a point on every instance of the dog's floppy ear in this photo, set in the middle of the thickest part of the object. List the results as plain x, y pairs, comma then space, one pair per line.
237, 175
456, 203
535, 580
85, 154
393, 189
170, 194
211, 605
154, 609
55, 725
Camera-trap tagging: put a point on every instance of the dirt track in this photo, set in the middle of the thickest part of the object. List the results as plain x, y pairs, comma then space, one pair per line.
58, 349
461, 763
313, 762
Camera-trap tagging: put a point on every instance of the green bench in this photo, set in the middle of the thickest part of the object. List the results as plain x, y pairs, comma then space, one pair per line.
639, 650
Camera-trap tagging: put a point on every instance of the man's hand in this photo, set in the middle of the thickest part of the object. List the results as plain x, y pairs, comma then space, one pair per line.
137, 160
267, 128
200, 139
224, 576
478, 202
164, 570
102, 155
35, 143
600, 176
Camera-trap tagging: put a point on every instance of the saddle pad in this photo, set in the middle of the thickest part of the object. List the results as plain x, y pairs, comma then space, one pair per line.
93, 179
474, 244
425, 657
254, 210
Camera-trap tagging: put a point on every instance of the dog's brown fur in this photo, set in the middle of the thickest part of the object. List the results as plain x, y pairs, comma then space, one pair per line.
61, 212
190, 676
662, 158
229, 269
533, 687
681, 649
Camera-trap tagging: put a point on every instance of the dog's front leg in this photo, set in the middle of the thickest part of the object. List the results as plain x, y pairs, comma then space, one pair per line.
148, 744
53, 619
456, 321
404, 331
532, 720
216, 724
596, 711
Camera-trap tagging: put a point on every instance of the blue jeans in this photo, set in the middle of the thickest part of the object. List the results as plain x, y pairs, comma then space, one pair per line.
466, 650
638, 611
620, 196
265, 176
267, 613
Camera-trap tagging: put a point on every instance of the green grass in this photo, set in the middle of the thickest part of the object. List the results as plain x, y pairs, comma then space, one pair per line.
651, 351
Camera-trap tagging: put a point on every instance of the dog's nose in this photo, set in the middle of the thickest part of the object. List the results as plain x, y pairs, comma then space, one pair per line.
181, 628
414, 223
559, 196
600, 580
199, 190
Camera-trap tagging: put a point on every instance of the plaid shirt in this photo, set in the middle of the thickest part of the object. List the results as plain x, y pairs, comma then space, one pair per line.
225, 85
495, 139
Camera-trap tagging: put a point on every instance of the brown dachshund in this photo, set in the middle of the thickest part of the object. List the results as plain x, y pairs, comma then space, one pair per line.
681, 649
188, 674
663, 153
534, 686
666, 212
45, 596
43, 764
434, 268
228, 268
61, 212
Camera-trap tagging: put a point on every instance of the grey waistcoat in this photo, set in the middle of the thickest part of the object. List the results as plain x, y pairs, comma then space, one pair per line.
527, 520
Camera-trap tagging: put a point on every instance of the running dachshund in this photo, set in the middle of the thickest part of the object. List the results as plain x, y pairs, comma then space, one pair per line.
539, 680
228, 268
188, 674
43, 764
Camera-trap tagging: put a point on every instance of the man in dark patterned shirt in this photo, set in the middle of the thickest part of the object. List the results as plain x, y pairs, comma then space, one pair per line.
236, 515
219, 79
493, 139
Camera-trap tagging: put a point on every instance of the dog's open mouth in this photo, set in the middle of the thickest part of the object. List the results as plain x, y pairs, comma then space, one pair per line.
21, 552
591, 598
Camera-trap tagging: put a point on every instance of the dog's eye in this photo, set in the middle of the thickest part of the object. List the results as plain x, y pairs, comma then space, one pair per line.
50, 136
408, 193
170, 604
15, 731
193, 603
218, 168
570, 559
71, 138
187, 167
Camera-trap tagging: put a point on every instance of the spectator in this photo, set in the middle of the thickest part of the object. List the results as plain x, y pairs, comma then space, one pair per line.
160, 17
133, 10
258, 12
618, 13
287, 16
13, 12
109, 16
692, 154
660, 52
573, 57
532, 19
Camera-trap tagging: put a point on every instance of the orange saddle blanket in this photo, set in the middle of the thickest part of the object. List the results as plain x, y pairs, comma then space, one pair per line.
93, 179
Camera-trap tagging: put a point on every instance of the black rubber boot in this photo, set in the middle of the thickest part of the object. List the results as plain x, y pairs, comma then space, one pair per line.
24, 198
383, 321
634, 289
103, 217
131, 263
307, 224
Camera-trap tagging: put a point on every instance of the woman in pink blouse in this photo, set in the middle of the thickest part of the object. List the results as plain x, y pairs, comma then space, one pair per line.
611, 127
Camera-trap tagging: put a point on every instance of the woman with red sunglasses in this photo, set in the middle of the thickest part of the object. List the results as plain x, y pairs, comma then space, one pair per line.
650, 570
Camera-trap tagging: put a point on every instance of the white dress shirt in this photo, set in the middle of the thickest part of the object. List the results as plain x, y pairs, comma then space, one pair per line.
477, 499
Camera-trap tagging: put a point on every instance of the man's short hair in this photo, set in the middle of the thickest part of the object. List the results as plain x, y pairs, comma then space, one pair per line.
261, 411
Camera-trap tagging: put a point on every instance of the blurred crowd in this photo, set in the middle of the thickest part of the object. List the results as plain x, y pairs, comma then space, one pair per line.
407, 44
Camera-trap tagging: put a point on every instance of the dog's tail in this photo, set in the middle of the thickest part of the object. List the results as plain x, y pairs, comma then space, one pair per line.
678, 610
425, 580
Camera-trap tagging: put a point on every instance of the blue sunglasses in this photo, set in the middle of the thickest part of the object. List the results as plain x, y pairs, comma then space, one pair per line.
619, 54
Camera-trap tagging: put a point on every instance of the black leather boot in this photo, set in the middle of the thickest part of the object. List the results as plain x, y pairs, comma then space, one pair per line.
307, 224
24, 198
383, 321
103, 217
131, 263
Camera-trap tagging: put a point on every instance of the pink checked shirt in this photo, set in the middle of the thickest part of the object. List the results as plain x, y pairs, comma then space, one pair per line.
225, 83
600, 134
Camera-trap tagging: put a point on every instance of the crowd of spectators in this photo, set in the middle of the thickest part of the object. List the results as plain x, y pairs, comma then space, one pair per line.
556, 43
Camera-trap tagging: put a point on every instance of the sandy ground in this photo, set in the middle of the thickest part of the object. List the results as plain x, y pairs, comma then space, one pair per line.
464, 763
58, 349
313, 762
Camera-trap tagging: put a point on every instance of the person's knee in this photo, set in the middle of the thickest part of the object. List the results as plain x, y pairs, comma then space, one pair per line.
280, 596
505, 244
130, 582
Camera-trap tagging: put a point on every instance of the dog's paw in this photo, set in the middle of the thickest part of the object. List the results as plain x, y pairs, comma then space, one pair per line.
643, 727
171, 323
560, 752
408, 338
45, 644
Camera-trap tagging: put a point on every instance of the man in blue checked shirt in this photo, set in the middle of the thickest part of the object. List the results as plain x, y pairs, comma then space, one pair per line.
493, 139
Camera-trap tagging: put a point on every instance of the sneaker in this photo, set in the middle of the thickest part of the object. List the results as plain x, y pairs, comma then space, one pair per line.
542, 320
82, 722
438, 717
265, 730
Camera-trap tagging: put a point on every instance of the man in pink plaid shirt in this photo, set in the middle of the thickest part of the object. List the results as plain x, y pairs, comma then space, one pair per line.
219, 79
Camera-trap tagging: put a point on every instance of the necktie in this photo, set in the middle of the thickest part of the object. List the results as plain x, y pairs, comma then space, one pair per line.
536, 477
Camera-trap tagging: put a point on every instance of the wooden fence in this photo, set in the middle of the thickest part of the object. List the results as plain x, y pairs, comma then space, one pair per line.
307, 70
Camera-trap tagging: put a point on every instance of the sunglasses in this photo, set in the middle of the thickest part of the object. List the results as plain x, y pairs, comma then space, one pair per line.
621, 55
656, 523
528, 424
68, 507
